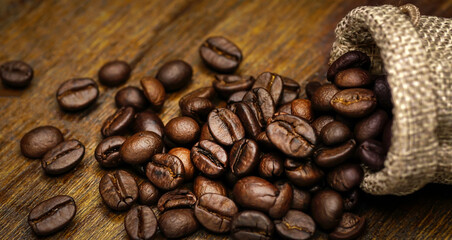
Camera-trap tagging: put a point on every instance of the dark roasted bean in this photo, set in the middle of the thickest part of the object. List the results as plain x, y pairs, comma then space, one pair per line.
119, 122
283, 200
322, 96
225, 126
352, 59
119, 190
174, 75
148, 121
295, 225
351, 199
383, 92
302, 108
182, 130
320, 122
261, 103
204, 185
301, 199
352, 78
371, 127
16, 74
184, 155
36, 142
351, 226
114, 73
197, 108
251, 225
291, 90
63, 157
236, 97
209, 158
372, 154
140, 147
326, 208
248, 119
271, 165
345, 177
330, 157
335, 133
220, 54
255, 193
354, 102
271, 82
179, 198
165, 171
243, 157
215, 212
226, 85
302, 174
178, 223
131, 97
205, 133
148, 193
264, 142
311, 87
204, 92
285, 108
154, 92
140, 223
107, 151
77, 94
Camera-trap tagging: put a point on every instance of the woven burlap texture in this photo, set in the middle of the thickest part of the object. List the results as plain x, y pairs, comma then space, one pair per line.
418, 63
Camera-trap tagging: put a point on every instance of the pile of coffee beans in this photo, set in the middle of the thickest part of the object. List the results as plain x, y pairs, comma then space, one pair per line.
268, 165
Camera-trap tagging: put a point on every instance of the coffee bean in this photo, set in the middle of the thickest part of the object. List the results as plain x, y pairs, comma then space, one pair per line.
371, 126
119, 190
326, 208
215, 212
118, 123
226, 85
302, 174
140, 223
273, 83
351, 199
345, 177
131, 97
292, 135
310, 88
322, 97
220, 54
236, 97
16, 74
352, 59
302, 108
262, 197
243, 157
383, 92
77, 94
140, 147
291, 90
182, 130
321, 122
52, 215
334, 133
252, 225
114, 73
165, 171
178, 223
353, 78
107, 151
148, 193
204, 92
261, 103
174, 75
285, 108
372, 154
351, 226
225, 126
63, 157
301, 199
35, 143
148, 121
295, 225
197, 108
271, 165
154, 92
204, 185
354, 102
205, 133
283, 200
179, 198
248, 119
330, 157
209, 158
184, 155
264, 142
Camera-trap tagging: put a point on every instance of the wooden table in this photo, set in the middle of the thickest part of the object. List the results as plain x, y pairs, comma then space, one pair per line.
65, 39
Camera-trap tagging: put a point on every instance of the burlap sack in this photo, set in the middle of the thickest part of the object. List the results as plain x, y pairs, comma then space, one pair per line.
416, 54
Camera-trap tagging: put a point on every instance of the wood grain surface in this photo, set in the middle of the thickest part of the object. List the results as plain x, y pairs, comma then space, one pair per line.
62, 39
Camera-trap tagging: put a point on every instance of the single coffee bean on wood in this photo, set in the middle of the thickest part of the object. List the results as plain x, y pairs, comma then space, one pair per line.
261, 103
226, 85
225, 126
203, 185
209, 158
182, 130
295, 225
352, 59
118, 190
184, 155
178, 198
77, 94
148, 121
174, 75
178, 223
334, 133
16, 74
165, 171
252, 225
353, 78
327, 208
302, 108
131, 97
148, 193
301, 199
330, 157
244, 157
107, 151
345, 177
291, 90
322, 96
310, 88
36, 142
371, 127
154, 92
354, 102
215, 212
140, 223
271, 165
140, 147
119, 122
372, 154
220, 54
52, 215
114, 73
271, 82
351, 226
302, 174
63, 157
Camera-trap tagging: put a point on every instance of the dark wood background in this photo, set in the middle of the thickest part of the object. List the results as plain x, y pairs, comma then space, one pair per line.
63, 39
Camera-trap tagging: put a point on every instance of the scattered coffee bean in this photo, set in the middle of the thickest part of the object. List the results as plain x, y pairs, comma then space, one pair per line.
77, 94
345, 177
372, 154
334, 133
302, 174
107, 151
35, 143
174, 75
148, 193
215, 212
291, 90
204, 92
371, 126
182, 130
140, 147
353, 78
243, 157
179, 198
261, 103
220, 54
140, 223
165, 171
148, 121
330, 157
184, 155
225, 126
302, 108
252, 225
178, 223
63, 157
114, 73
383, 92
310, 88
322, 97
352, 59
262, 197
119, 122
226, 85
273, 83
326, 208
16, 74
119, 190
131, 97
271, 165
351, 226
204, 185
295, 225
301, 199
197, 108
209, 158
354, 102
154, 92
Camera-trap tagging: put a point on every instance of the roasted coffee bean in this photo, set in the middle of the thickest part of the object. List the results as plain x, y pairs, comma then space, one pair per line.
209, 158
372, 154
52, 215
179, 198
184, 155
114, 73
140, 223
326, 208
334, 133
386, 138
225, 126
322, 97
244, 157
204, 92
178, 223
291, 90
261, 103
285, 108
383, 92
248, 119
292, 135
205, 133
330, 157
371, 127
107, 151
174, 75
351, 226
354, 102
236, 97
301, 199
226, 85
220, 54
271, 165
345, 177
154, 92
302, 108
255, 193
165, 171
16, 74
182, 130
215, 212
119, 190
320, 122
252, 225
352, 59
317, 187
140, 147
131, 97
35, 143
197, 108
302, 174
63, 157
351, 199
295, 225
310, 88
271, 82
264, 142
148, 121
119, 122
148, 193
204, 185
77, 94
283, 200
353, 78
